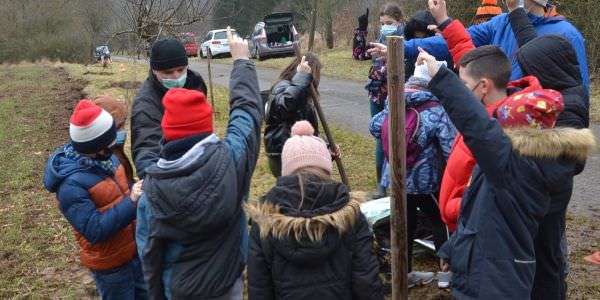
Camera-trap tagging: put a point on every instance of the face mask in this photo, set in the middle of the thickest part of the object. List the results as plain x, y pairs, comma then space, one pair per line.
473, 90
106, 154
387, 30
175, 83
121, 137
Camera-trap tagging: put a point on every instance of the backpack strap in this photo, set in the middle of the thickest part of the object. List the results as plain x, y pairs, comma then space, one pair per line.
421, 108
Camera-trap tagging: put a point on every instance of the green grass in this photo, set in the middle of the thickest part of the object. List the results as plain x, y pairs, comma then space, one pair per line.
337, 63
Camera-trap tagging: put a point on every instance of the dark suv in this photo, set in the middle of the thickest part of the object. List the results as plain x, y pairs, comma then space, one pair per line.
275, 36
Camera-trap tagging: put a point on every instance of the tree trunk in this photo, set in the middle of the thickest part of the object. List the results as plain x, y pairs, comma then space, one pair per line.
313, 25
329, 31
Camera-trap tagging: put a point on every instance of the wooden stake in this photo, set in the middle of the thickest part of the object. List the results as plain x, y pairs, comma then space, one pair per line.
210, 85
397, 143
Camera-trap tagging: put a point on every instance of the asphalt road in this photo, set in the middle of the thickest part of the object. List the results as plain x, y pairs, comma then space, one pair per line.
346, 106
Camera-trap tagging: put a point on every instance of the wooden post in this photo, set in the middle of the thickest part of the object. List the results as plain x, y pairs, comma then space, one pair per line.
397, 143
210, 85
313, 26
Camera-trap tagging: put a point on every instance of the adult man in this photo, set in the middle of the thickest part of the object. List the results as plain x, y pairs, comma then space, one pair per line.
168, 69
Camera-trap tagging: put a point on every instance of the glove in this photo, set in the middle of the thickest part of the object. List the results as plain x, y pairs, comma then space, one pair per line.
363, 21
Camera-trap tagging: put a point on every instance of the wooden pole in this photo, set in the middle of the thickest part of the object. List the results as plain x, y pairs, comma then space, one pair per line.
313, 26
210, 85
397, 143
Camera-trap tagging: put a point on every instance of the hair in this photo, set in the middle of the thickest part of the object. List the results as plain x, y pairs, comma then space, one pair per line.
488, 62
323, 175
314, 63
393, 10
418, 23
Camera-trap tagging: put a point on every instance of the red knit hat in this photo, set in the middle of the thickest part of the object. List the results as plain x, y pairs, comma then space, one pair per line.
537, 109
91, 128
186, 113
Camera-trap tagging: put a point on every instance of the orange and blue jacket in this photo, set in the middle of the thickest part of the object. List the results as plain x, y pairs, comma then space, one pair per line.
97, 205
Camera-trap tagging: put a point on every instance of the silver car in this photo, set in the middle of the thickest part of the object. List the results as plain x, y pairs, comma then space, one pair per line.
275, 36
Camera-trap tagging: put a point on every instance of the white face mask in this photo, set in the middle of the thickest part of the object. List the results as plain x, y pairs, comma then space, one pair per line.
175, 83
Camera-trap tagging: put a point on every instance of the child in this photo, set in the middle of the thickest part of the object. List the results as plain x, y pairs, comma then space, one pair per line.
291, 100
519, 156
192, 230
487, 10
94, 196
359, 42
427, 151
309, 239
118, 110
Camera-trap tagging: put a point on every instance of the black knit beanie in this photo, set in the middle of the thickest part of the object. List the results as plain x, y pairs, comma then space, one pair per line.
167, 54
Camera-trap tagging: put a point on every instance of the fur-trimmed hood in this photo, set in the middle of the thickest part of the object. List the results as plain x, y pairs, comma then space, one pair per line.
555, 143
306, 229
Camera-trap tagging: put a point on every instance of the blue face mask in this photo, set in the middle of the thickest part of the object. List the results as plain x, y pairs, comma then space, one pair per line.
175, 83
387, 30
121, 137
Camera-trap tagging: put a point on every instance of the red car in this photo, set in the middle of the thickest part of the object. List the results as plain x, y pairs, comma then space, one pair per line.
189, 42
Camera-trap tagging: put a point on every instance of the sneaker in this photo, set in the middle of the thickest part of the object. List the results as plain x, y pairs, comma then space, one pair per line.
444, 279
419, 278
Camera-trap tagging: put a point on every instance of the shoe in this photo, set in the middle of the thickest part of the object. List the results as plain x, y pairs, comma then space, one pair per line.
444, 279
419, 278
379, 193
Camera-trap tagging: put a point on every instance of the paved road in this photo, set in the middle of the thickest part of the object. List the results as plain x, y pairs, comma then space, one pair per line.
346, 106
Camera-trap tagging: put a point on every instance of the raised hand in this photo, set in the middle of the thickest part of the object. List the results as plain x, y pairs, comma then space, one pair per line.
378, 49
303, 67
438, 10
237, 46
136, 191
425, 58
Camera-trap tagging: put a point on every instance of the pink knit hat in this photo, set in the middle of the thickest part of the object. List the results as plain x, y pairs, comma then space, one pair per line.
304, 149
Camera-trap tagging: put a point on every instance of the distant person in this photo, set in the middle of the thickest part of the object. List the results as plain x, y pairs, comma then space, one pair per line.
118, 110
94, 195
360, 41
519, 157
417, 27
291, 100
431, 135
105, 55
309, 239
192, 230
168, 69
392, 23
487, 10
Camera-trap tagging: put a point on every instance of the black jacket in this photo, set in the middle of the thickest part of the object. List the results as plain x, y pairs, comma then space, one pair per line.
492, 254
192, 231
289, 102
320, 248
146, 116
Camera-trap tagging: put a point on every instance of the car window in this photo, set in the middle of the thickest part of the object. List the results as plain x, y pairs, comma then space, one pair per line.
208, 37
186, 40
222, 35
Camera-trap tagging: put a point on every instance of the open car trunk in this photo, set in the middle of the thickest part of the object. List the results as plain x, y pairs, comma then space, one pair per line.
280, 30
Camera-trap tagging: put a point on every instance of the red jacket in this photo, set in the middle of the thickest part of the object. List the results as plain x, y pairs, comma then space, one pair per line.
458, 40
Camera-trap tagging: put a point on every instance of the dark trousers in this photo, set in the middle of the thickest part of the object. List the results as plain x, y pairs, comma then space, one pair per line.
124, 282
428, 204
379, 158
549, 282
275, 165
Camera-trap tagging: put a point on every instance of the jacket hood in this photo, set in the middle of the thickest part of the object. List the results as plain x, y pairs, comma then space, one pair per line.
307, 231
553, 60
416, 97
555, 143
59, 167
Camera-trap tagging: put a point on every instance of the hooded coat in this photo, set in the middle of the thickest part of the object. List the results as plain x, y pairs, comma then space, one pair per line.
146, 115
492, 252
192, 231
316, 247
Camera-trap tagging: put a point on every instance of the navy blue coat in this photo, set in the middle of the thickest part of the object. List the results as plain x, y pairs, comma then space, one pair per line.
492, 253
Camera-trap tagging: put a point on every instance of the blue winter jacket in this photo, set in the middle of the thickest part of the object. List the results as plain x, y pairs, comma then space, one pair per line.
192, 232
435, 135
498, 31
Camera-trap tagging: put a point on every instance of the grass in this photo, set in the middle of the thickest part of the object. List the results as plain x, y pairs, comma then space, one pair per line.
38, 254
595, 101
337, 63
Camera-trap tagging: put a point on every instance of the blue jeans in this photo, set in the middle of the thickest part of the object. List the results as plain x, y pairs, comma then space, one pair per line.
124, 282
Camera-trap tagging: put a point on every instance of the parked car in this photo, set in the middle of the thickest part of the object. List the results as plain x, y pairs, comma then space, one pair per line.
275, 36
216, 42
189, 42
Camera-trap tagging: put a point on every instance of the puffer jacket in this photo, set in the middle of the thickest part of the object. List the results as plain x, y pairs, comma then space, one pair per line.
314, 247
192, 231
492, 253
97, 205
497, 31
146, 115
288, 103
434, 135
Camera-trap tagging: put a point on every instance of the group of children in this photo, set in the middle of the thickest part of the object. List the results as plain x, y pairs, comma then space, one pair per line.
508, 150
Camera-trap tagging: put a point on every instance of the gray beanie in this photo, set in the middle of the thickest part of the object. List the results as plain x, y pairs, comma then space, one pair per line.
540, 2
